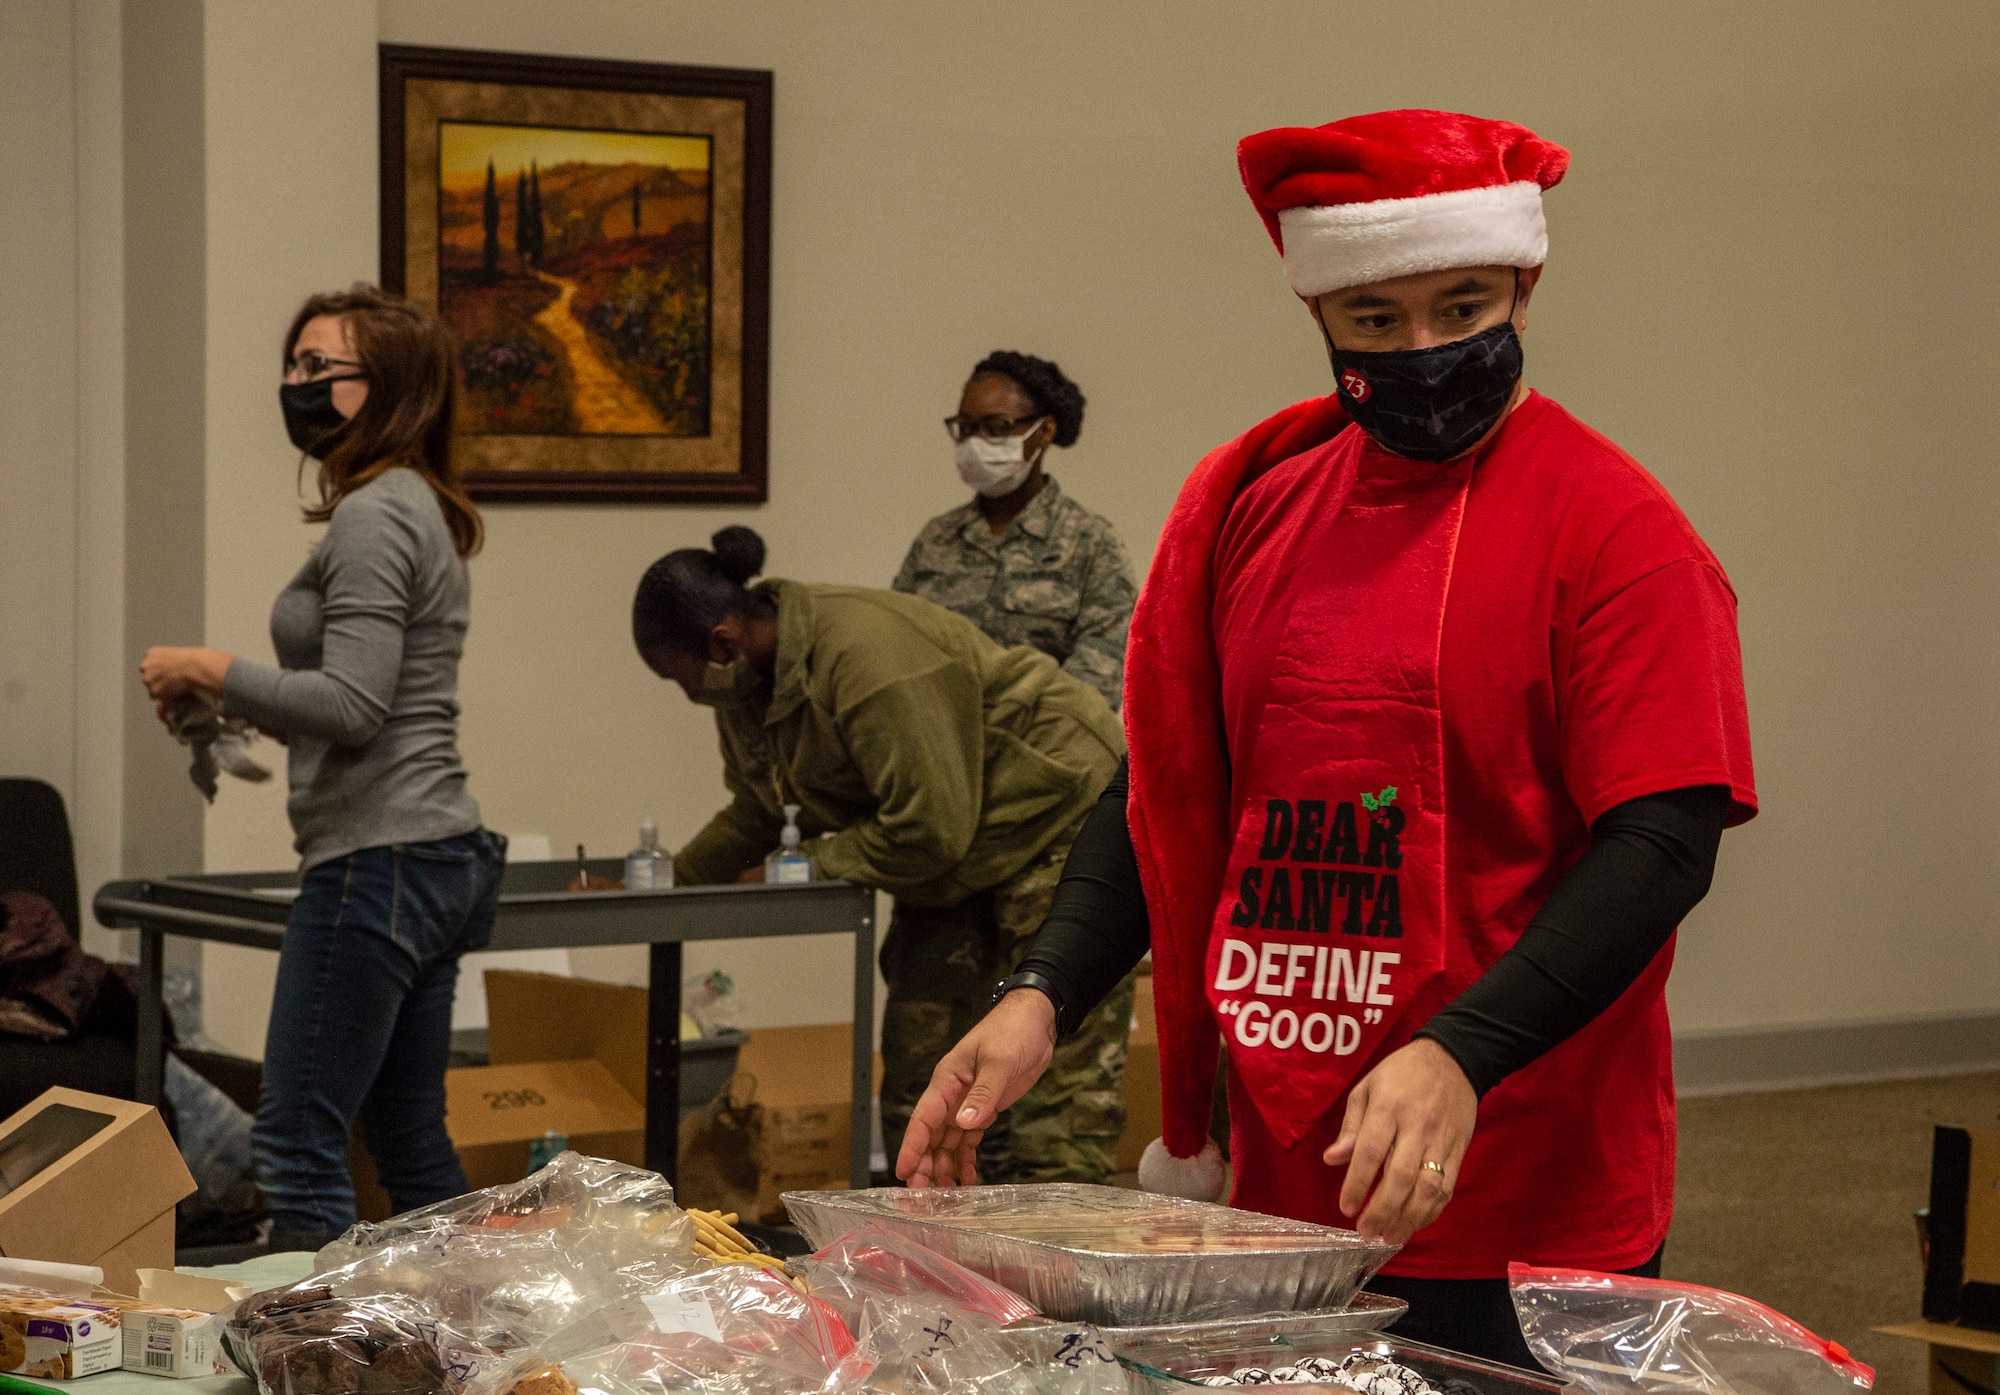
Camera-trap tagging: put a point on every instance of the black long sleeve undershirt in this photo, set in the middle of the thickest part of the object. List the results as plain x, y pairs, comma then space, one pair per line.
1649, 863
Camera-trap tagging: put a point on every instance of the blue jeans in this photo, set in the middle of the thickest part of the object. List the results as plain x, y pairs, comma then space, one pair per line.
361, 1026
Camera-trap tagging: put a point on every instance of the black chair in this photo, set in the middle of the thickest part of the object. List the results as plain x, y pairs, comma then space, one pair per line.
36, 854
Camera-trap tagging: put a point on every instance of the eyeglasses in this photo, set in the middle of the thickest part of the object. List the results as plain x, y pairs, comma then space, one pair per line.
313, 363
992, 428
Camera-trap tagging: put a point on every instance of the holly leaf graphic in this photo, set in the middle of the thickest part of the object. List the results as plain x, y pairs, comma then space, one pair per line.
1368, 802
1386, 798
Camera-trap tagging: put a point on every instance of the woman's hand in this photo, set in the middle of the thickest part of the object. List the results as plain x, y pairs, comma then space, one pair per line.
169, 672
992, 1066
1416, 1107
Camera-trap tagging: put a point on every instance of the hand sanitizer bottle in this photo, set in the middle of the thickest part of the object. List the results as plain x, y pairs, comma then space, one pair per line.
646, 867
788, 866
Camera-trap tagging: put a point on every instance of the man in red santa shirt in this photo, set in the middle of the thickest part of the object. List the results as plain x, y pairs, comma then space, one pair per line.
1436, 717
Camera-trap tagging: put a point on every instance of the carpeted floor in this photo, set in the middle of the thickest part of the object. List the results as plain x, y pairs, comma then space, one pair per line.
1803, 1201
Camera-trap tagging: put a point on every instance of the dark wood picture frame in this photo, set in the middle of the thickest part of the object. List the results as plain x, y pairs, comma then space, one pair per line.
609, 477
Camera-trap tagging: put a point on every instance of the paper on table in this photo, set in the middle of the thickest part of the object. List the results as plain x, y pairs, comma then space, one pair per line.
66, 1280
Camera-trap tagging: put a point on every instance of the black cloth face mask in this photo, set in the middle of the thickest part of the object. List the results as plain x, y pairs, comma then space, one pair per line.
310, 416
1429, 404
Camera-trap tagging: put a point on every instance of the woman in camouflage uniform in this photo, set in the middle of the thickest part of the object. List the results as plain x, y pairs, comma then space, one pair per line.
1024, 561
949, 772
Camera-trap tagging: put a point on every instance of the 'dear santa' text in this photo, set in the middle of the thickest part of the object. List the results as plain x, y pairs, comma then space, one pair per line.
1312, 872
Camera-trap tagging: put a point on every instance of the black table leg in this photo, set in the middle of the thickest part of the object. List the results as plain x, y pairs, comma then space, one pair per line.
663, 1061
149, 1082
863, 1080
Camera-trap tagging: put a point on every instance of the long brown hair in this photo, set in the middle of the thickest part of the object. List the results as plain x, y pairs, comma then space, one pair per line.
407, 353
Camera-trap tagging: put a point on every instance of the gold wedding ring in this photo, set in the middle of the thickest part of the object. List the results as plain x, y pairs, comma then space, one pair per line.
1436, 1167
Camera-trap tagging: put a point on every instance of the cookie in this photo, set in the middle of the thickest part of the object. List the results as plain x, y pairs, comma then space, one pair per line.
13, 1345
403, 1368
316, 1366
549, 1380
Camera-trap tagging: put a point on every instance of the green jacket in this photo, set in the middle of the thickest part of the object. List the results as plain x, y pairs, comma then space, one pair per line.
941, 763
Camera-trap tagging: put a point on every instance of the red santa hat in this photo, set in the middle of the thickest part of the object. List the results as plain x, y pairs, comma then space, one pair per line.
1398, 192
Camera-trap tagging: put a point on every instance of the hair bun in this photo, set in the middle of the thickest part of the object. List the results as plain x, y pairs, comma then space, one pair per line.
739, 553
1053, 394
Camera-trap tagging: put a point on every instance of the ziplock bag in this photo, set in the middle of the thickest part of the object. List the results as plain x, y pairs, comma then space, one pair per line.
914, 1345
874, 1262
726, 1330
1616, 1334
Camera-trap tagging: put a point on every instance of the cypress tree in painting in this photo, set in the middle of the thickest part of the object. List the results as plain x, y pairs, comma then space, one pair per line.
635, 208
523, 239
491, 251
535, 225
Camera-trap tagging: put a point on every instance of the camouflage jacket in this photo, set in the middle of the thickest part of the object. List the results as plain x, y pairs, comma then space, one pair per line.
1057, 580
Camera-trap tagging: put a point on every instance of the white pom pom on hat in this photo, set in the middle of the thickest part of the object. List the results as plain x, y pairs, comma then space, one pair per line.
1393, 193
1199, 1178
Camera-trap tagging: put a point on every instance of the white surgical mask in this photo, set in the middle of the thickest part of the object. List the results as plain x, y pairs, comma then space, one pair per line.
994, 468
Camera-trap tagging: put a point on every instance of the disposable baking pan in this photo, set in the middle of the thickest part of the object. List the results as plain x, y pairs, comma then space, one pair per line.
1109, 1256
1187, 1364
1364, 1315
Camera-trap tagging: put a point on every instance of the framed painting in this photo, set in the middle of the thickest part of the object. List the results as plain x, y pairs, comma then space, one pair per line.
598, 237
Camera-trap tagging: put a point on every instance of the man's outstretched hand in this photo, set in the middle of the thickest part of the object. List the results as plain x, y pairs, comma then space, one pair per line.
992, 1066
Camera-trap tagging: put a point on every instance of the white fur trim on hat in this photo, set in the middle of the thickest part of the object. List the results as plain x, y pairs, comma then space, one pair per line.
1199, 1178
1351, 244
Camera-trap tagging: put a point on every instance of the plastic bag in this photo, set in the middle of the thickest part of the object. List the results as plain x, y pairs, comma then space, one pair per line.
727, 1329
614, 1210
710, 999
874, 1262
1615, 1334
305, 1340
475, 1279
911, 1345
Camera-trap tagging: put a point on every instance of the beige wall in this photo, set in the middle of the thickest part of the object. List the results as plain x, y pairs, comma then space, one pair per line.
38, 527
1771, 279
62, 666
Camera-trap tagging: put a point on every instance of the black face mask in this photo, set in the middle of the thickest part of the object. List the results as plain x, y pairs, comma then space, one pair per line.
1430, 404
310, 416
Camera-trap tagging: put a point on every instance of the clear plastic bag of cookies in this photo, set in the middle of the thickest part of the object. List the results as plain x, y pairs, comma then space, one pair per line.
872, 1261
917, 1346
726, 1329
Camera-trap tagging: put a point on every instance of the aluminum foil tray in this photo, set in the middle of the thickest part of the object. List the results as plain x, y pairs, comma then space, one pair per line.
1220, 1356
1365, 1314
1109, 1256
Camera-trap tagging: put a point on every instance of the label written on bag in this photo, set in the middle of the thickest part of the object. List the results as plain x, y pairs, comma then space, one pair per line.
673, 1313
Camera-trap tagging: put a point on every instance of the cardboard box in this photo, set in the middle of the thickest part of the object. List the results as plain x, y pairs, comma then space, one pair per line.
535, 1020
57, 1338
1142, 1079
547, 1017
178, 1342
86, 1179
1961, 1359
169, 1288
794, 1085
494, 1112
1962, 1272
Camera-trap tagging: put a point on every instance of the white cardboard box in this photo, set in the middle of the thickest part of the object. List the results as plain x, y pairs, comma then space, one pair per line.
173, 1342
57, 1338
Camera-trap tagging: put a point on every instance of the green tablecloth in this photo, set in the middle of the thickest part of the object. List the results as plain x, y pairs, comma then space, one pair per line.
266, 1271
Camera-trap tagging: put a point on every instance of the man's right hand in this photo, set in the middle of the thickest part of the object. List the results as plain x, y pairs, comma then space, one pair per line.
991, 1067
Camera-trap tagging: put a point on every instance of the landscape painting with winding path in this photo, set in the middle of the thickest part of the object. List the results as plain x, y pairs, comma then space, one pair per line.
573, 266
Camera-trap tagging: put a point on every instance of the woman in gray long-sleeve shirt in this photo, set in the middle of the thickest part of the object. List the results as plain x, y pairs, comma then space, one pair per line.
400, 878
